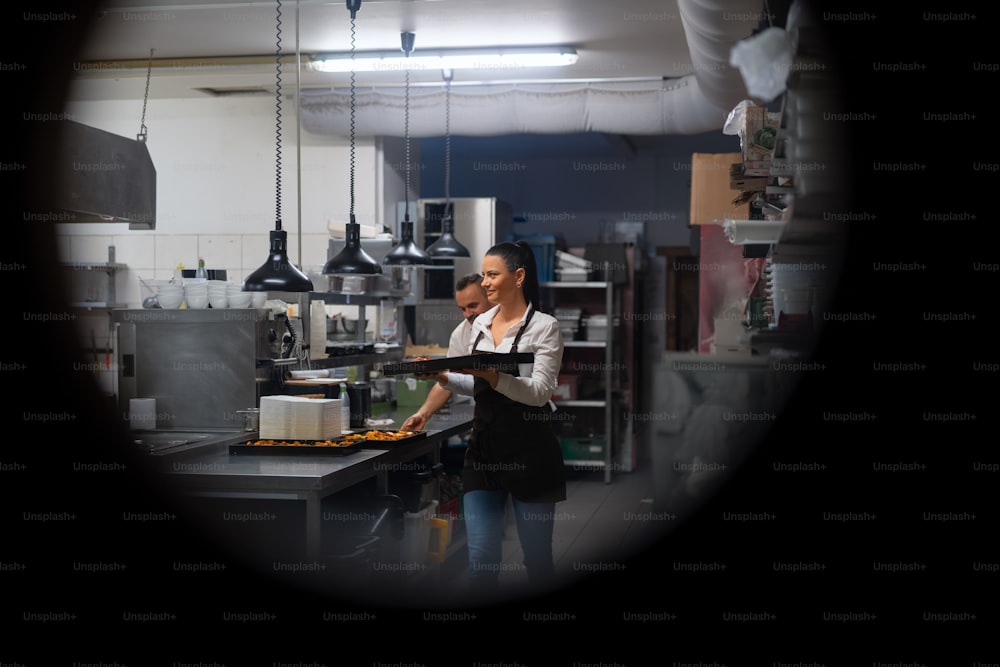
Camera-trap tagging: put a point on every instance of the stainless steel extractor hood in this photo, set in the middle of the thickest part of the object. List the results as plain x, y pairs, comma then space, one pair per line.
103, 177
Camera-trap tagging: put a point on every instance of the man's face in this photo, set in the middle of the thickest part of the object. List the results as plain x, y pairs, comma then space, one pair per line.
472, 301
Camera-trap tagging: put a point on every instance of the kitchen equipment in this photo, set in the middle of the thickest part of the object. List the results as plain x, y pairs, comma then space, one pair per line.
160, 441
124, 193
480, 222
425, 536
251, 418
569, 321
142, 414
339, 327
360, 395
149, 293
202, 366
384, 389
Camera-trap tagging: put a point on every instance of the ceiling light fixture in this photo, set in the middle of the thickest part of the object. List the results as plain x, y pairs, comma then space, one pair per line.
352, 259
447, 245
407, 252
497, 58
278, 273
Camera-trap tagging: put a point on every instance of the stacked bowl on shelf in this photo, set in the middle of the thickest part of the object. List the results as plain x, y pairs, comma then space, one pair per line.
170, 295
208, 294
237, 297
218, 293
196, 295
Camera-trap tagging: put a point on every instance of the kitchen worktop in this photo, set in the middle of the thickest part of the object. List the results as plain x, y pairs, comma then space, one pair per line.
212, 472
212, 464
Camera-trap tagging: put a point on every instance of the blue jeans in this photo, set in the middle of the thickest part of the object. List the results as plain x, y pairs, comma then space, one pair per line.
484, 520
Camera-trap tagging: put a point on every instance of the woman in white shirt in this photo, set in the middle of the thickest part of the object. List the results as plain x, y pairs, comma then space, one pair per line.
513, 449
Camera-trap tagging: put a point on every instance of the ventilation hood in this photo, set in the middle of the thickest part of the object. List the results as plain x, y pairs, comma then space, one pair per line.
99, 176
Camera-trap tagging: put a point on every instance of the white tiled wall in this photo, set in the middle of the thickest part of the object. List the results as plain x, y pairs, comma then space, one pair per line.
154, 256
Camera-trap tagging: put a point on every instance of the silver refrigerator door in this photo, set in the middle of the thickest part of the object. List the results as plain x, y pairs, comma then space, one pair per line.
480, 223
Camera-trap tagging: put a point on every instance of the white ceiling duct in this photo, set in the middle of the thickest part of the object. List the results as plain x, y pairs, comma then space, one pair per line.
699, 102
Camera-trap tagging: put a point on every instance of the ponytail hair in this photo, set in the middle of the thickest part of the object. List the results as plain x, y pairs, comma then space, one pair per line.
519, 255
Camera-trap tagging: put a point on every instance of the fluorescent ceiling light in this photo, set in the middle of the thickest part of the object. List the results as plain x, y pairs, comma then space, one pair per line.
436, 59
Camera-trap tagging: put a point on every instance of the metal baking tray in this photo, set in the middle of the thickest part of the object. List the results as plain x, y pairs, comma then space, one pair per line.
378, 443
307, 448
503, 362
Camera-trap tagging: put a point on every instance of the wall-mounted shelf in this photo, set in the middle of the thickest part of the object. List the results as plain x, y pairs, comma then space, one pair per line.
110, 268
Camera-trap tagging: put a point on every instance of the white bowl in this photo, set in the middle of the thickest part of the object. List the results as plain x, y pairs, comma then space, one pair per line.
239, 302
196, 303
170, 301
258, 299
218, 301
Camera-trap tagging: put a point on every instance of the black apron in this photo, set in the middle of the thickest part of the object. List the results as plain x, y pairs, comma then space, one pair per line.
513, 446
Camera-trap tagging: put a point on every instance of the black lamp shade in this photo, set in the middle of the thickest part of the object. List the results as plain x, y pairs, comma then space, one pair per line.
278, 274
447, 245
352, 259
406, 252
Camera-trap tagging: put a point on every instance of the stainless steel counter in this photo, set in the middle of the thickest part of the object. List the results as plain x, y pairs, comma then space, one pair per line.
213, 472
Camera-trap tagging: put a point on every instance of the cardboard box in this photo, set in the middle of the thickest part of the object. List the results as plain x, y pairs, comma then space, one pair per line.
411, 392
711, 198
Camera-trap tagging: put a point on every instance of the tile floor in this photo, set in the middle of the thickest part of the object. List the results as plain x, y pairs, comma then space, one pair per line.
598, 525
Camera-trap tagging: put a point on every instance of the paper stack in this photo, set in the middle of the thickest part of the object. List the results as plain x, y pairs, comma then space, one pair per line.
297, 418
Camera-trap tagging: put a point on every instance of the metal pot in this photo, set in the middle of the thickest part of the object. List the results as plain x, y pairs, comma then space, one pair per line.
338, 324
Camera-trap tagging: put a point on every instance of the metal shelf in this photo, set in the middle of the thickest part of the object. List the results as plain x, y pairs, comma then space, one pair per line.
589, 284
95, 266
580, 404
96, 305
585, 343
606, 405
585, 463
348, 298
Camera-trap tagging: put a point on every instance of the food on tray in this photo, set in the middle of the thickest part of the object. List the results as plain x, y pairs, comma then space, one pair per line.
380, 435
299, 443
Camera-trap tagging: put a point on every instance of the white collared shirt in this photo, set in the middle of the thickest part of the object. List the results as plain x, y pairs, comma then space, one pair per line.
460, 340
537, 381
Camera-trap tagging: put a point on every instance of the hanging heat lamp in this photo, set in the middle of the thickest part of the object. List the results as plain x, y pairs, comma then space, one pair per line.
447, 245
407, 252
278, 274
352, 260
